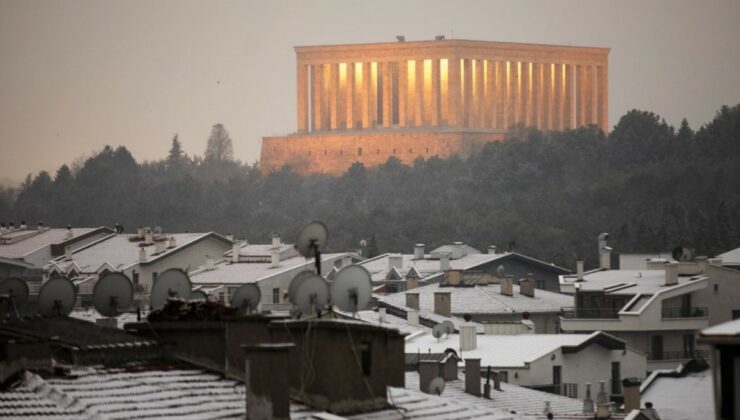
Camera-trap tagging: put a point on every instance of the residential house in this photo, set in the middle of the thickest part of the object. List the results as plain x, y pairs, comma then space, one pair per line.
724, 340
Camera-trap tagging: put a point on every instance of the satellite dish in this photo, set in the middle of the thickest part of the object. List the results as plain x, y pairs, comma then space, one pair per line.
198, 296
57, 297
438, 331
351, 289
437, 386
172, 283
246, 297
312, 237
682, 254
111, 293
449, 327
296, 281
500, 270
310, 294
16, 289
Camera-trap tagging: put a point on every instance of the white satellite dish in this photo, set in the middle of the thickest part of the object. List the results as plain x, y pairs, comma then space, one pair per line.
112, 292
437, 386
312, 237
351, 289
310, 294
296, 281
57, 297
198, 296
438, 331
15, 289
449, 327
173, 283
246, 298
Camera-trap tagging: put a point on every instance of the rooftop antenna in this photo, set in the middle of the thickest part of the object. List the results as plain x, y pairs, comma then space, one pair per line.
246, 298
311, 241
351, 289
173, 283
309, 292
16, 291
437, 386
111, 293
57, 297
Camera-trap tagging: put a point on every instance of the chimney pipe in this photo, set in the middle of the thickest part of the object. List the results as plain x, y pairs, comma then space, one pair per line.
442, 304
381, 315
507, 287
472, 376
671, 274
147, 236
159, 247
496, 381
588, 403
605, 258
492, 249
631, 393
468, 336
454, 277
526, 286
173, 242
579, 270
70, 234
412, 282
275, 258
419, 251
142, 254
412, 300
67, 253
267, 381
444, 262
235, 248
275, 240
457, 250
428, 370
412, 316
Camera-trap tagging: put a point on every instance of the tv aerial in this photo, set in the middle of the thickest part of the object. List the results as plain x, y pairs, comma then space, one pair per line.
437, 386
351, 289
57, 297
16, 291
246, 298
112, 292
198, 296
173, 283
311, 242
310, 293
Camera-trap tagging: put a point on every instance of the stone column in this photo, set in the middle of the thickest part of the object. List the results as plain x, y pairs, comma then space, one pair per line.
302, 96
387, 92
403, 91
480, 99
526, 96
558, 98
374, 72
500, 90
333, 96
511, 96
602, 108
419, 99
569, 84
537, 95
317, 118
547, 96
365, 98
453, 92
349, 97
435, 95
580, 97
489, 108
467, 92
267, 381
590, 93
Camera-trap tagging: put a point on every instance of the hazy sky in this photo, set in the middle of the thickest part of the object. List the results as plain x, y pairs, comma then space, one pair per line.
76, 75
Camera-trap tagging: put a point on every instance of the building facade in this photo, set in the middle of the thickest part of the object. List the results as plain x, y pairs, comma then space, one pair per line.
368, 102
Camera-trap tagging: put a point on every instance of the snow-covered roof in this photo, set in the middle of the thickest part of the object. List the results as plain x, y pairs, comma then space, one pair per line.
522, 400
483, 300
725, 329
511, 351
624, 282
91, 315
682, 398
37, 239
225, 272
391, 321
730, 257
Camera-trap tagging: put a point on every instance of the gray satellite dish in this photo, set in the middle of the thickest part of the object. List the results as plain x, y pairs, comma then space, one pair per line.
449, 327
173, 283
296, 281
112, 292
438, 331
57, 297
351, 289
437, 386
311, 294
198, 296
500, 270
16, 289
312, 237
246, 297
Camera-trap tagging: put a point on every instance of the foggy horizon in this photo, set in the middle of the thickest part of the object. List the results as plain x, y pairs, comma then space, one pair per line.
79, 75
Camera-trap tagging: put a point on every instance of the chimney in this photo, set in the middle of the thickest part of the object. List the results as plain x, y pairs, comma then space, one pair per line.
67, 253
412, 316
526, 286
3, 229
23, 224
395, 261
605, 258
267, 380
173, 242
507, 288
671, 274
492, 249
496, 381
702, 262
41, 225
419, 251
472, 376
381, 315
160, 247
444, 262
655, 264
454, 277
235, 248
147, 236
412, 282
442, 304
468, 336
70, 234
275, 240
428, 370
588, 403
457, 250
579, 270
412, 300
715, 262
140, 232
275, 258
631, 394
142, 254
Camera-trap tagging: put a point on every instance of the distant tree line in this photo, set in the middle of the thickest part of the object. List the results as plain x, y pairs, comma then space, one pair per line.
548, 194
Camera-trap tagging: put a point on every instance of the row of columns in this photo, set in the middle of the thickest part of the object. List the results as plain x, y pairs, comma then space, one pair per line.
472, 93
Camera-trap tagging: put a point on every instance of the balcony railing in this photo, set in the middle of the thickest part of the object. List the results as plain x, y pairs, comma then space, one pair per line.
599, 313
568, 390
692, 312
679, 355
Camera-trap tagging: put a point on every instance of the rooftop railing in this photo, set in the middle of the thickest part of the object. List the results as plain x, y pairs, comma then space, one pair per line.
691, 312
581, 313
678, 355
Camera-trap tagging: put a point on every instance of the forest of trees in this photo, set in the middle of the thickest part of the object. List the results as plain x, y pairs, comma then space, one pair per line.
651, 186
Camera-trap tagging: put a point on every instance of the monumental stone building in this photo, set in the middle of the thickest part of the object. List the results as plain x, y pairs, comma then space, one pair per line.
368, 102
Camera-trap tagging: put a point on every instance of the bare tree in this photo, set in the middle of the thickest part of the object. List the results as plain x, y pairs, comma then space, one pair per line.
219, 147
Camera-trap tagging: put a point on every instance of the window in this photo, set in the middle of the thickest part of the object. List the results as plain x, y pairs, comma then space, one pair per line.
616, 378
359, 151
276, 295
325, 152
736, 314
154, 277
540, 284
716, 288
656, 347
503, 376
135, 277
411, 151
366, 358
394, 151
688, 346
427, 149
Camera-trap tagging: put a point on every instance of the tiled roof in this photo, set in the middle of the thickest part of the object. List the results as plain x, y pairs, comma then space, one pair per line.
74, 333
38, 240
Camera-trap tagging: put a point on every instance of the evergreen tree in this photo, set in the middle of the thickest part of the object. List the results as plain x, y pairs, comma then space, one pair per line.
176, 155
685, 132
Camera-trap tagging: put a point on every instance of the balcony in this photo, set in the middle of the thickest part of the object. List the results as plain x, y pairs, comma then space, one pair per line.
678, 355
567, 390
692, 312
581, 313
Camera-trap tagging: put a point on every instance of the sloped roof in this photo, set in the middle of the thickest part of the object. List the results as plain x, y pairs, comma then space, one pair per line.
39, 239
682, 397
629, 282
730, 257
